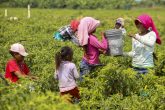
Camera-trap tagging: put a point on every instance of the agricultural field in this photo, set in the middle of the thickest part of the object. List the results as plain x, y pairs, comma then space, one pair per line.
112, 87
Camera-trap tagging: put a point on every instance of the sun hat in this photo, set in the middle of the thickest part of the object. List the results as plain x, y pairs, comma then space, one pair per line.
19, 48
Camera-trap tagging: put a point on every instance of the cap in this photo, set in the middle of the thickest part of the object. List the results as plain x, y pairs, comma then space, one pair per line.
19, 48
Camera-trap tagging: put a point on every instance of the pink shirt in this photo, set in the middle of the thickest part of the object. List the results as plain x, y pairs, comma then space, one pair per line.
93, 47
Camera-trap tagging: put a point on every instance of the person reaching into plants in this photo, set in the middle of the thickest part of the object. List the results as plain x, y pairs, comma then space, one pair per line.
143, 44
66, 73
16, 67
91, 45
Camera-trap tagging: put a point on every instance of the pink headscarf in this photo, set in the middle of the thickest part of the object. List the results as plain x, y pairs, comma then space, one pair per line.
148, 23
86, 26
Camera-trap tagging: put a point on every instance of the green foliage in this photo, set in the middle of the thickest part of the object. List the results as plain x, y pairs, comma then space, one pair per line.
114, 86
74, 4
83, 4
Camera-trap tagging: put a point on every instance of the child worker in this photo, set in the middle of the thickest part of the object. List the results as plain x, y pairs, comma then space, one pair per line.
91, 45
120, 25
16, 67
143, 44
66, 73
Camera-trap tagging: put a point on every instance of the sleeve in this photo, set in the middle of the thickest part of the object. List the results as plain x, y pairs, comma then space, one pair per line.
132, 52
124, 32
100, 45
148, 40
75, 72
13, 67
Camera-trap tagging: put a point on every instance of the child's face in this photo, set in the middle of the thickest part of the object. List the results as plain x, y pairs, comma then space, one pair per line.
141, 28
18, 57
117, 25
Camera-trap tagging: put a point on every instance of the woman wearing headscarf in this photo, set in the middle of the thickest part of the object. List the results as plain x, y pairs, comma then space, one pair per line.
143, 44
90, 44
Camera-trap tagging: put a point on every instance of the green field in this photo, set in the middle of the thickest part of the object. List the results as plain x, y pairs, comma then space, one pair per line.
112, 87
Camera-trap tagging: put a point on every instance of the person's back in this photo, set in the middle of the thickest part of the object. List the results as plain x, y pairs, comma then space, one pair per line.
66, 75
93, 49
66, 72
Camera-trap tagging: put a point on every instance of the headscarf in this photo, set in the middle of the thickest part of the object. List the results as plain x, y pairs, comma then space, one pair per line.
86, 26
120, 21
74, 24
148, 23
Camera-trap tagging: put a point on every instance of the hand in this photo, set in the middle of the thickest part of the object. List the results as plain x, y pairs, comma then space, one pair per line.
102, 51
103, 35
131, 35
33, 77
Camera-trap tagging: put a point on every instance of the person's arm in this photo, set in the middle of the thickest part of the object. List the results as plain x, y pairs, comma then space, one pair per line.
19, 74
28, 73
32, 76
148, 40
75, 72
14, 69
100, 45
132, 52
124, 32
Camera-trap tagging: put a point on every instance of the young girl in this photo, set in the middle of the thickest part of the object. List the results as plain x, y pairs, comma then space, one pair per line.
16, 67
90, 43
66, 72
120, 25
143, 44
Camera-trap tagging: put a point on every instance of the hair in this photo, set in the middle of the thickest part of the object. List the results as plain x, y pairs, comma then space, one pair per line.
137, 22
12, 53
65, 54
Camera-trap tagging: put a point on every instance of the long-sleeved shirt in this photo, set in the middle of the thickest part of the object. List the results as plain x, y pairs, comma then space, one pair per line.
142, 50
66, 75
93, 47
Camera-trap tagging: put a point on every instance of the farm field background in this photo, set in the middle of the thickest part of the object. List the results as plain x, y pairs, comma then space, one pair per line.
112, 87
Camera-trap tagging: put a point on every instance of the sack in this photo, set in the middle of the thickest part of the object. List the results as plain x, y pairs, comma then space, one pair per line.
115, 42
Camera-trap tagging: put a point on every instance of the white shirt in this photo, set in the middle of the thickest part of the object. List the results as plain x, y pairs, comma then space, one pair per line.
66, 74
142, 50
123, 31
